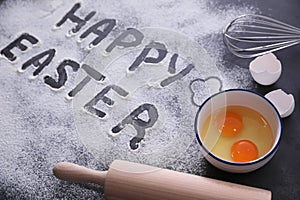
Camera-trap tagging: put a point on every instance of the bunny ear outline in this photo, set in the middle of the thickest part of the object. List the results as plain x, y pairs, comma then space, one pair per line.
209, 86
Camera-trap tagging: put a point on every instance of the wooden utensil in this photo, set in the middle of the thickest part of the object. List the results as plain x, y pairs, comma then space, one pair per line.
131, 181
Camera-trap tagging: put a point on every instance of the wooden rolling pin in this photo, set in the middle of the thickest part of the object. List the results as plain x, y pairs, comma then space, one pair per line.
131, 181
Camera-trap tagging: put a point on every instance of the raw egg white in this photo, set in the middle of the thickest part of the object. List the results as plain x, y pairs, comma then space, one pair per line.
237, 133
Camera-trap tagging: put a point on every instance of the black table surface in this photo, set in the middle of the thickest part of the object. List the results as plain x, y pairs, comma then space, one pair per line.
281, 174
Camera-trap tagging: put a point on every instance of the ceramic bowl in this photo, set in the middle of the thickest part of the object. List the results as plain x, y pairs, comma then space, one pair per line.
246, 98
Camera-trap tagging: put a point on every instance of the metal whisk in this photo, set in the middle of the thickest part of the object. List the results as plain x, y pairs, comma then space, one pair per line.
254, 35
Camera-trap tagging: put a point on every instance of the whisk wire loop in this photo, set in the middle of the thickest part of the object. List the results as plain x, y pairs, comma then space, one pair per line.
254, 35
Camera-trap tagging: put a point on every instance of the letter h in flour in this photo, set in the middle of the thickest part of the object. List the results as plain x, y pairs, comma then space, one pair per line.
101, 28
75, 19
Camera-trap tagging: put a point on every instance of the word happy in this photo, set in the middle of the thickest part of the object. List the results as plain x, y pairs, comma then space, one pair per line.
100, 30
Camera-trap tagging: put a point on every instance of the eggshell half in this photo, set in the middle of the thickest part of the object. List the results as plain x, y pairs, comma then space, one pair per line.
284, 103
265, 69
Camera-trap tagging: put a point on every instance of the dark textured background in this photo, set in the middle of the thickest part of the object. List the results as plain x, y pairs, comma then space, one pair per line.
281, 175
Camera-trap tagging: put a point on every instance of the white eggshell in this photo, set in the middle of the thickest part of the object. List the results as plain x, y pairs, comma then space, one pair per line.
284, 103
265, 69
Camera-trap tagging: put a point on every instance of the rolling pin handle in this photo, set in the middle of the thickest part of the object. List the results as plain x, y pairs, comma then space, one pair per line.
76, 173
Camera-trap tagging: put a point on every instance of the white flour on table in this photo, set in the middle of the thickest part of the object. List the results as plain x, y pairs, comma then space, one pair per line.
40, 127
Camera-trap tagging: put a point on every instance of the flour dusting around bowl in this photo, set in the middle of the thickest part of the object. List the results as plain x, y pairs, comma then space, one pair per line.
38, 124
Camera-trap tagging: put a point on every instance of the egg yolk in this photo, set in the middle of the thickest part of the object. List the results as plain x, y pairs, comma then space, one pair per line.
244, 151
229, 124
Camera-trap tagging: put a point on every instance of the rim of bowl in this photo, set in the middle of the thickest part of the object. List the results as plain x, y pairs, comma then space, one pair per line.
269, 153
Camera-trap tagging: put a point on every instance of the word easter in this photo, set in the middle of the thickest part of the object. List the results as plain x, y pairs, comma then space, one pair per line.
130, 37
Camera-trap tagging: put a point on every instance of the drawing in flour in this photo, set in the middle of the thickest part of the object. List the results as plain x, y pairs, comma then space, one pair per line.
162, 61
139, 124
205, 87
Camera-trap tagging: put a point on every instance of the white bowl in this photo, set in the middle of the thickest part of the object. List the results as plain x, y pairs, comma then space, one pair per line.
239, 97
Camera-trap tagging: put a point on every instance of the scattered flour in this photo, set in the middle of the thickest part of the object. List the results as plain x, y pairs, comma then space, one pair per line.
40, 127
